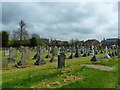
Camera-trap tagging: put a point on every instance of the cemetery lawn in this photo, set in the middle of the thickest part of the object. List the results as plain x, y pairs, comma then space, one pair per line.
72, 76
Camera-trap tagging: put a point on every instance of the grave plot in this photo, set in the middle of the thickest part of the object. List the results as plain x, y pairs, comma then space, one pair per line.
106, 68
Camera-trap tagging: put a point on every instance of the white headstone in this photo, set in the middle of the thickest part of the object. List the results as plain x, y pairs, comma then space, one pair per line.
6, 52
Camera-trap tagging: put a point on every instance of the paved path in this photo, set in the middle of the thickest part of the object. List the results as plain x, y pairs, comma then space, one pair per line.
98, 67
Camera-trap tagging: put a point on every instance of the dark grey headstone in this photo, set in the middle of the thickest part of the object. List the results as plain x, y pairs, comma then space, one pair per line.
61, 60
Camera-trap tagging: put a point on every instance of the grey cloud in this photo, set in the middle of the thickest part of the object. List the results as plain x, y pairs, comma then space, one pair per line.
59, 20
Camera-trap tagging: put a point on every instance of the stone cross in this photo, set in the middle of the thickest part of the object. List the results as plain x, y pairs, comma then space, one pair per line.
22, 61
53, 55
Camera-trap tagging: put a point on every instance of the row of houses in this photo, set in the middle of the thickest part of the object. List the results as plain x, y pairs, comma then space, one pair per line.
106, 42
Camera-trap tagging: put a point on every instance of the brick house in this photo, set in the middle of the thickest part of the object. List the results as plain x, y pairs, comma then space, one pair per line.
92, 42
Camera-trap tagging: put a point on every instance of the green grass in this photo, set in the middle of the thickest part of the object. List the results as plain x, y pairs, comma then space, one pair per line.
45, 75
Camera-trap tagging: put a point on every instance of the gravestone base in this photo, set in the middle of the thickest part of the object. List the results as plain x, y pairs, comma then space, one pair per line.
20, 63
94, 58
68, 51
106, 56
39, 62
36, 56
52, 60
81, 52
11, 60
101, 52
48, 56
88, 54
96, 53
77, 55
71, 57
84, 55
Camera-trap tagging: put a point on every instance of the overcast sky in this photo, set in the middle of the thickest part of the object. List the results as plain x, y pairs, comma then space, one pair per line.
63, 20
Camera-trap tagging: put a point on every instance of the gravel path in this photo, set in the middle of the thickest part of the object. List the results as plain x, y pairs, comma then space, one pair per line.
98, 67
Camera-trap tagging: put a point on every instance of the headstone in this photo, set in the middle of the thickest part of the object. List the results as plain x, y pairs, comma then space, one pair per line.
53, 55
6, 52
61, 60
39, 60
48, 56
94, 58
36, 56
35, 48
85, 52
106, 55
71, 56
26, 54
14, 52
10, 59
22, 61
77, 54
